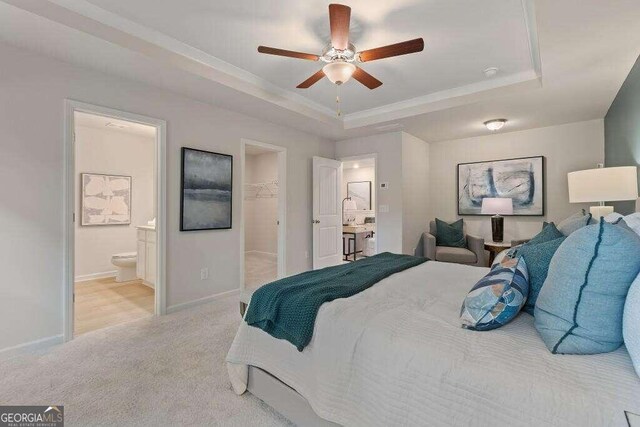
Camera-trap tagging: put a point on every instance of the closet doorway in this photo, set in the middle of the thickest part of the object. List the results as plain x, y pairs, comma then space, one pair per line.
263, 215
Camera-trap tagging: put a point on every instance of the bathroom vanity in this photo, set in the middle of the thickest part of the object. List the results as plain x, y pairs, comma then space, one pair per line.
146, 262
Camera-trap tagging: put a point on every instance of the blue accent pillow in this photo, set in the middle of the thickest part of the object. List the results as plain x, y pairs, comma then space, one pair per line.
579, 309
497, 298
451, 235
575, 222
631, 323
549, 232
538, 258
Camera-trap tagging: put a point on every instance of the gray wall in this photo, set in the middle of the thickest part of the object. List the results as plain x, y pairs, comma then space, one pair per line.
622, 130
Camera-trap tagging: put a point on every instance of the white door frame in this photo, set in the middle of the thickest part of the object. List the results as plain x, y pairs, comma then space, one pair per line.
70, 107
282, 205
373, 156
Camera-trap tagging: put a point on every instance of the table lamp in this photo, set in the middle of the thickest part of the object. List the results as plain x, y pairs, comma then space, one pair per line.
497, 206
603, 184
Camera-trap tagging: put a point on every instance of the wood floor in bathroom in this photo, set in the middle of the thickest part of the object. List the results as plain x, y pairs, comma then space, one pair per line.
104, 302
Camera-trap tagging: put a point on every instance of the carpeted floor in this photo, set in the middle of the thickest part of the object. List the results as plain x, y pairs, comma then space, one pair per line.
158, 371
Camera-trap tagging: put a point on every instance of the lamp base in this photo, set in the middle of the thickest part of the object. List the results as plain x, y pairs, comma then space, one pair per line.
497, 228
600, 211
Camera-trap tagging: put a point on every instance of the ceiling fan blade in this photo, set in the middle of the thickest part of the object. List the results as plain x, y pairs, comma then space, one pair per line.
410, 46
366, 79
289, 53
339, 17
311, 80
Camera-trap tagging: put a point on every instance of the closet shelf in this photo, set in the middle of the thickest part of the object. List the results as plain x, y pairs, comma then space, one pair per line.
261, 190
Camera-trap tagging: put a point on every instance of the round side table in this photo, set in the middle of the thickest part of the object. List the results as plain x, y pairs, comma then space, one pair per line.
495, 248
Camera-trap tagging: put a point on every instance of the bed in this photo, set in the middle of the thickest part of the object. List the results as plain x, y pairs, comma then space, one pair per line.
395, 354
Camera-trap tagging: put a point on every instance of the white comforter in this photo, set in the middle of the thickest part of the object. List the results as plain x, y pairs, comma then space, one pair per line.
395, 355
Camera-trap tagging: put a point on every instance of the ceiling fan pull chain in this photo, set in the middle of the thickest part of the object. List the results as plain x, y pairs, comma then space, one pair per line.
338, 112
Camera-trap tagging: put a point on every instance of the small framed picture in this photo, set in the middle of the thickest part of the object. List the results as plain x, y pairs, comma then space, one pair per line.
105, 199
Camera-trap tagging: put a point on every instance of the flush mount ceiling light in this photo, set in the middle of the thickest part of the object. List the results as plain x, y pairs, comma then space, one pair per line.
495, 124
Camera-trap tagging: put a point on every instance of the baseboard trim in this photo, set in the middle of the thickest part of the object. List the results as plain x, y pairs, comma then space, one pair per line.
200, 301
94, 276
19, 349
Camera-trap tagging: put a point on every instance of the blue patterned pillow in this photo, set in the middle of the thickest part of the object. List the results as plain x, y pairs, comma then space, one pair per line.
498, 297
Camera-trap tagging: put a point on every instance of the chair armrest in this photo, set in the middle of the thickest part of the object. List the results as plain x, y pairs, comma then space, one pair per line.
429, 246
476, 245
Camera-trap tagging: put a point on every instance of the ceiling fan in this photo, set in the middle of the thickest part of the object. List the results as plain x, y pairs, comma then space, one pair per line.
340, 55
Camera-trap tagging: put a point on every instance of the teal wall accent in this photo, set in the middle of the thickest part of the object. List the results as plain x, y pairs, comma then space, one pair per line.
622, 130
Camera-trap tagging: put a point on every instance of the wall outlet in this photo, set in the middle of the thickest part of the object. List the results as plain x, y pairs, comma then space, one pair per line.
383, 208
306, 254
384, 185
204, 274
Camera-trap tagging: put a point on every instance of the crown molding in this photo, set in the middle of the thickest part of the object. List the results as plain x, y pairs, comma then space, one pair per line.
445, 99
88, 18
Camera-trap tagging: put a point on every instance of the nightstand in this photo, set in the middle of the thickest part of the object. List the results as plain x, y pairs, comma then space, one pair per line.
495, 248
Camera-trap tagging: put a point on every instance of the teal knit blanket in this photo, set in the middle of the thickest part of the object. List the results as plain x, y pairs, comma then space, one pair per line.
287, 308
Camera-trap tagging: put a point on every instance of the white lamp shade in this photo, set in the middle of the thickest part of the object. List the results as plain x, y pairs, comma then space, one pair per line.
497, 206
350, 205
603, 184
339, 72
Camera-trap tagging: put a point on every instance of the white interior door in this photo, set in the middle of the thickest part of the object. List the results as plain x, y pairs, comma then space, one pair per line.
327, 212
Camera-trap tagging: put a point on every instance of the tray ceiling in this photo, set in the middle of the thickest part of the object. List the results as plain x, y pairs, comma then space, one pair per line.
462, 38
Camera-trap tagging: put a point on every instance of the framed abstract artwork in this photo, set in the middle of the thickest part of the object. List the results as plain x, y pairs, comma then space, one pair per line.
520, 179
105, 199
206, 187
360, 192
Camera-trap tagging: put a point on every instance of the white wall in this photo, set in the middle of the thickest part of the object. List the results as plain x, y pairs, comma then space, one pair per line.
33, 89
261, 214
388, 148
566, 148
112, 152
415, 193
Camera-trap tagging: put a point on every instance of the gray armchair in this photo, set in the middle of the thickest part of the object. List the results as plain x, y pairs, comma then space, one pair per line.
473, 254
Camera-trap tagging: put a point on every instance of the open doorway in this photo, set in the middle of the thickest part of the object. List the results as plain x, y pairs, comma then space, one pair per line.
358, 207
114, 242
263, 215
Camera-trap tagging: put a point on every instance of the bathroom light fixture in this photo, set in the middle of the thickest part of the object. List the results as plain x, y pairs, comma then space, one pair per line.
339, 72
495, 124
116, 125
490, 72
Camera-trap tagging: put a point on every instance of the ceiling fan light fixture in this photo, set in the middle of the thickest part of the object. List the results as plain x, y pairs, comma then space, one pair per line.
495, 124
339, 72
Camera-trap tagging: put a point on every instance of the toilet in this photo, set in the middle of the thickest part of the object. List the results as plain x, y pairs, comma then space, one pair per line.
126, 263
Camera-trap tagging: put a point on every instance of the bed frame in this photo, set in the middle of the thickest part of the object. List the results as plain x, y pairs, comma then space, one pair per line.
285, 400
